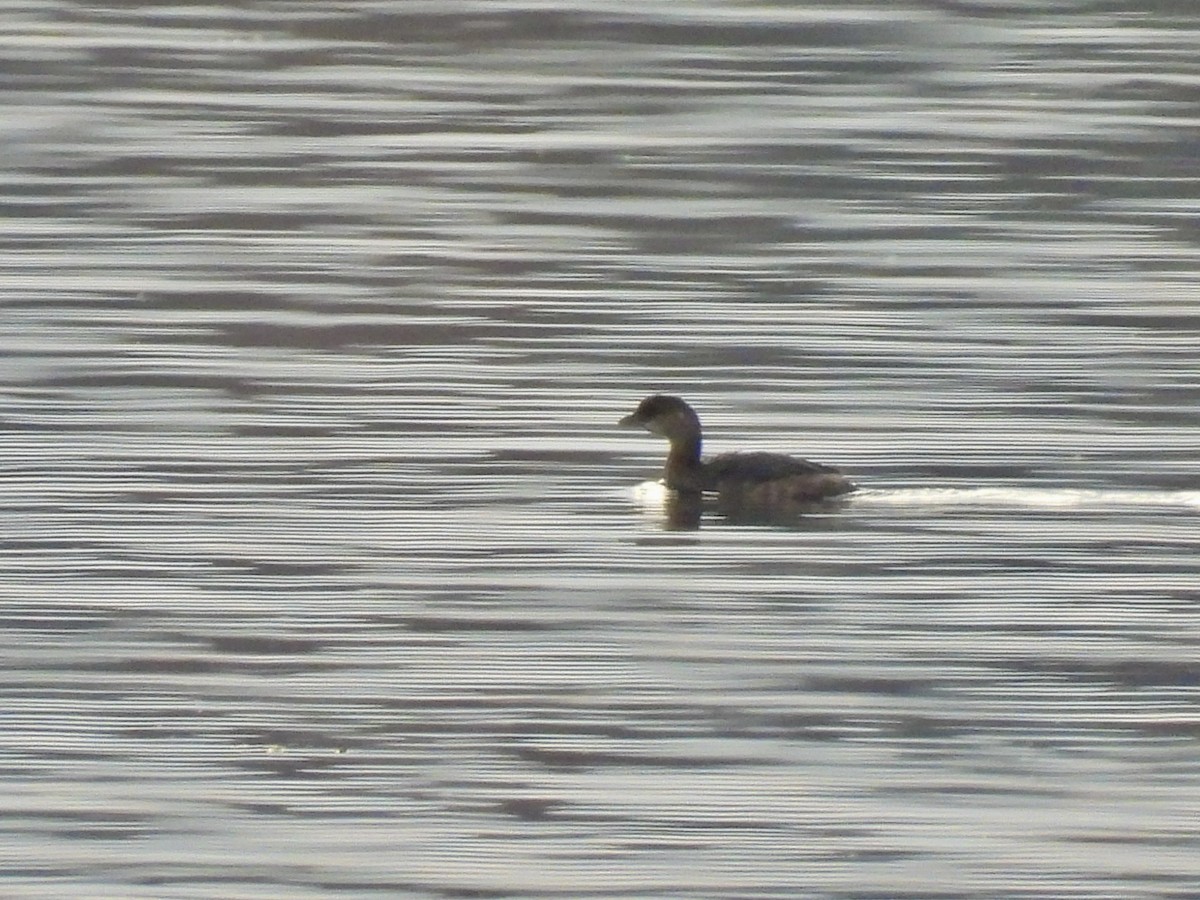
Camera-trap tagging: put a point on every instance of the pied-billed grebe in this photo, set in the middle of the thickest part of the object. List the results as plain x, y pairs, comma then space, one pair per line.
769, 479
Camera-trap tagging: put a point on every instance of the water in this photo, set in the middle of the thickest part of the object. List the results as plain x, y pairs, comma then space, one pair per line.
326, 571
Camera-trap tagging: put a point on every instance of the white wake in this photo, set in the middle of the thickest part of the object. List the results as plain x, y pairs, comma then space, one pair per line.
1027, 498
652, 495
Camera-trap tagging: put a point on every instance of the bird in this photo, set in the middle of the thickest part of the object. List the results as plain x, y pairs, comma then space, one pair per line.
744, 480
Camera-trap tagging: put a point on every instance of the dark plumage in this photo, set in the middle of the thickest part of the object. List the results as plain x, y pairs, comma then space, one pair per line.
746, 479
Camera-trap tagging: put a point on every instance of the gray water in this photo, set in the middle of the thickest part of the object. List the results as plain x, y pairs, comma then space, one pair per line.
326, 572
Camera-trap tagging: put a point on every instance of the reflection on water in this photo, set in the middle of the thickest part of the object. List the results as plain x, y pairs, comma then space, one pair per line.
325, 572
685, 512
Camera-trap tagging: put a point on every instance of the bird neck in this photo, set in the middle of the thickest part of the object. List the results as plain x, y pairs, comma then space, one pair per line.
684, 470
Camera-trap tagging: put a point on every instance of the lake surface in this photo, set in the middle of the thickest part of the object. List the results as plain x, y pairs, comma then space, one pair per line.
326, 572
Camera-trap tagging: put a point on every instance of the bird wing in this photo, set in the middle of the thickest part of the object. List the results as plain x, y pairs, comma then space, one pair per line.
763, 467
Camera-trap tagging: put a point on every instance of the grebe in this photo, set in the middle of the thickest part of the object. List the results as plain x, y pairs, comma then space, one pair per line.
744, 479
